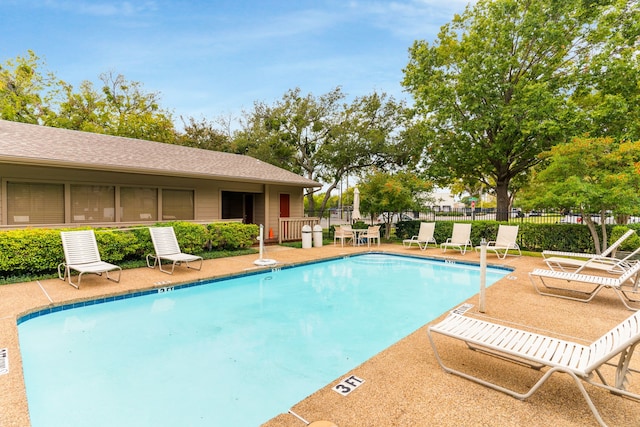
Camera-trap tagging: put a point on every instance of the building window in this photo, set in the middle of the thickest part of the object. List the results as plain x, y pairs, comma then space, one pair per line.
93, 203
35, 203
177, 204
138, 204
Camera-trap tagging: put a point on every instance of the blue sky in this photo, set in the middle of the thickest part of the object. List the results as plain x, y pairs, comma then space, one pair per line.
216, 58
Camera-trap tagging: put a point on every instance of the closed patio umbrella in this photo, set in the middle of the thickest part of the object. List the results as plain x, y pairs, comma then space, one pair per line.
356, 205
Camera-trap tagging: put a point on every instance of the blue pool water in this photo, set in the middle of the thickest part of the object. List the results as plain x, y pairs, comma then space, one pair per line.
233, 352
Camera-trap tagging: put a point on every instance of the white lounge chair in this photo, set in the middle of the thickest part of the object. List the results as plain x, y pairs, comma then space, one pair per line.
609, 264
537, 351
82, 255
505, 241
460, 238
167, 248
424, 237
342, 233
576, 261
624, 286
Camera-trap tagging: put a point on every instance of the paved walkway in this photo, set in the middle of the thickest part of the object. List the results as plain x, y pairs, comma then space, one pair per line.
404, 384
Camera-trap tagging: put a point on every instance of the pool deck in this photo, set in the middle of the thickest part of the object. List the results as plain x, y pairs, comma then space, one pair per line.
404, 385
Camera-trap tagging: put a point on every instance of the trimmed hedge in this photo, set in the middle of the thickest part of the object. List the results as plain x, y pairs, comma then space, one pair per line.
37, 251
30, 250
531, 237
232, 235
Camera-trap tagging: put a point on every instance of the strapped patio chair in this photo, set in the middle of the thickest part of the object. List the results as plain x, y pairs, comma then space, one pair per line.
505, 241
342, 233
537, 351
82, 255
577, 261
460, 238
167, 248
424, 237
624, 286
372, 233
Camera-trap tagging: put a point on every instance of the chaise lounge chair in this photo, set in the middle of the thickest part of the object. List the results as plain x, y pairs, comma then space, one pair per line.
610, 265
82, 255
167, 248
537, 351
460, 238
424, 237
576, 261
624, 285
505, 241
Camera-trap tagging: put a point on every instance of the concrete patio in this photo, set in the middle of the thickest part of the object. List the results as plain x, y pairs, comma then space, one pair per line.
404, 384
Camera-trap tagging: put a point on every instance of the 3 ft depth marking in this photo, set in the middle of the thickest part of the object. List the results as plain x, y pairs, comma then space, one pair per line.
348, 384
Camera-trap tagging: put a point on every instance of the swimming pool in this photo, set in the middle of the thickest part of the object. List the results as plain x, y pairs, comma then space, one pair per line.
230, 352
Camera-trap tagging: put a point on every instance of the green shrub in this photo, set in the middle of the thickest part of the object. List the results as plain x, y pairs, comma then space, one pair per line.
192, 238
232, 235
29, 251
538, 237
38, 251
116, 246
144, 243
630, 244
407, 229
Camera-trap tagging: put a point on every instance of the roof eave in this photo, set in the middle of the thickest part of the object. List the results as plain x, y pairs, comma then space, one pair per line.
149, 171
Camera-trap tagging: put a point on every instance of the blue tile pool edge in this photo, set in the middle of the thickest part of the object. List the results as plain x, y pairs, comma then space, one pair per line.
134, 294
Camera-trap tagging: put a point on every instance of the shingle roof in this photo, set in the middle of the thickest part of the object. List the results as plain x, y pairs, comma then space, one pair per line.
41, 145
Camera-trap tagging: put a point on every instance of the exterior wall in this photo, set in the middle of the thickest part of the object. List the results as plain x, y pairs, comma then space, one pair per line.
445, 202
207, 193
259, 210
296, 208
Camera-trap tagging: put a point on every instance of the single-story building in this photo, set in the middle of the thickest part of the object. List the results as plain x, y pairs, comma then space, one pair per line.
52, 177
445, 202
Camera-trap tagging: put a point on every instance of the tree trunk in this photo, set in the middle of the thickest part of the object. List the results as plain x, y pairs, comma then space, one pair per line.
586, 219
603, 229
502, 200
311, 203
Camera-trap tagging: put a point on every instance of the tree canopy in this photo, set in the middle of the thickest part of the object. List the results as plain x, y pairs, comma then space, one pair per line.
25, 93
121, 107
324, 138
392, 193
495, 89
594, 175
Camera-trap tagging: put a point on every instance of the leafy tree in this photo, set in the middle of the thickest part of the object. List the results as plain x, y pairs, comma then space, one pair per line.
594, 175
333, 202
133, 113
493, 90
324, 138
83, 110
608, 89
25, 93
388, 193
121, 107
206, 135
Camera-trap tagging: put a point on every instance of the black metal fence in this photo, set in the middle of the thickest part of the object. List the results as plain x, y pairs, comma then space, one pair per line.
476, 214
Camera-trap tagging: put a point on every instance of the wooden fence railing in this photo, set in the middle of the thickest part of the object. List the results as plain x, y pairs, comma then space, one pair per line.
291, 228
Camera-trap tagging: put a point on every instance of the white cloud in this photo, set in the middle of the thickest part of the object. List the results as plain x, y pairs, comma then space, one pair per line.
412, 19
102, 8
